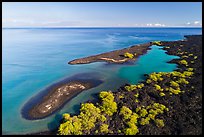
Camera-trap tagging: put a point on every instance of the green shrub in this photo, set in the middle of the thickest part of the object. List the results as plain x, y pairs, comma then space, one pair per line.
133, 118
184, 56
153, 77
143, 112
174, 91
159, 122
104, 128
140, 85
102, 118
121, 96
156, 43
131, 87
174, 84
182, 81
66, 116
89, 115
136, 95
109, 106
190, 69
161, 94
157, 76
183, 62
158, 87
148, 81
145, 121
128, 55
133, 130
71, 126
125, 112
187, 73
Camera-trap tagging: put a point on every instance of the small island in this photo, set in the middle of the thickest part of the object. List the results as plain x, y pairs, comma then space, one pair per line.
57, 96
116, 56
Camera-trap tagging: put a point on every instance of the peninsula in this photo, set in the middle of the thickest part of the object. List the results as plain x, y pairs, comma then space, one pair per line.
116, 56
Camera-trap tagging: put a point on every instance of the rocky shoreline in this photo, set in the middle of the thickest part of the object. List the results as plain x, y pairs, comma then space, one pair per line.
164, 104
116, 56
178, 112
56, 96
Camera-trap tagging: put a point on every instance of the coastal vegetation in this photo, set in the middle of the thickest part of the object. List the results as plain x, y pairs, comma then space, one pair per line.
157, 105
92, 116
128, 55
184, 62
89, 115
157, 43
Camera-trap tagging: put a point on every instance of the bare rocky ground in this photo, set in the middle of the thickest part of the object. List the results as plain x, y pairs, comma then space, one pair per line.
116, 56
185, 115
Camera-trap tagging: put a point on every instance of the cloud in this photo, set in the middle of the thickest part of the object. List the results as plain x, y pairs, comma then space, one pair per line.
155, 25
159, 25
196, 22
192, 24
149, 24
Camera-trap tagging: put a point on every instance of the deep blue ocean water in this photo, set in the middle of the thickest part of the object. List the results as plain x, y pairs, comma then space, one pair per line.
33, 59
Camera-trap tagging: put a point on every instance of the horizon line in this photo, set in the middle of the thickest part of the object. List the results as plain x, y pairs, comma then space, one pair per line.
41, 27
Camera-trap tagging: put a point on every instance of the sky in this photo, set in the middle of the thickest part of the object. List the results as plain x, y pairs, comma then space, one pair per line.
101, 14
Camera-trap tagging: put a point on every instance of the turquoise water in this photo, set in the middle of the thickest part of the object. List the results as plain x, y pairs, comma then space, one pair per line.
36, 58
154, 61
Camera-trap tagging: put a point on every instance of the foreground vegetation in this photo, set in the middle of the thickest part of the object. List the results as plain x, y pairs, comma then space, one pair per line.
93, 117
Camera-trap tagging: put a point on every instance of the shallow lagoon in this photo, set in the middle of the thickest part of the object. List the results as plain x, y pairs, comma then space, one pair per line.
35, 58
154, 61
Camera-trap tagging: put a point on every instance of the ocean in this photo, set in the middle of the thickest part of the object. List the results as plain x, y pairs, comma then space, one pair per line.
35, 58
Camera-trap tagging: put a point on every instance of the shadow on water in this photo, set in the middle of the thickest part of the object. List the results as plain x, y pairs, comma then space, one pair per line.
118, 64
93, 99
57, 120
76, 108
54, 124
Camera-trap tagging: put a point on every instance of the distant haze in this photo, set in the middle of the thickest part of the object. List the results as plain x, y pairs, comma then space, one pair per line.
102, 14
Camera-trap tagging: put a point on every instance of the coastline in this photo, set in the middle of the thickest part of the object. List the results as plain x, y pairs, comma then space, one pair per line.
190, 99
178, 93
